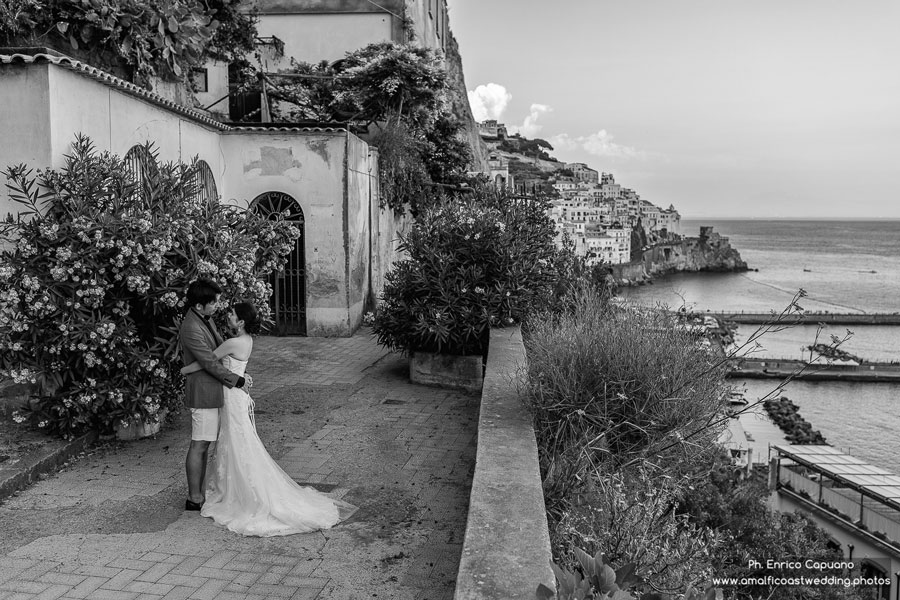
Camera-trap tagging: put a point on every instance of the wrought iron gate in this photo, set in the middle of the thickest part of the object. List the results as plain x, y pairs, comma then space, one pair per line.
288, 301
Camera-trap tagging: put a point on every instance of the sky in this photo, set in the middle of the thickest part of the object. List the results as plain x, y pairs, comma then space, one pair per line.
724, 108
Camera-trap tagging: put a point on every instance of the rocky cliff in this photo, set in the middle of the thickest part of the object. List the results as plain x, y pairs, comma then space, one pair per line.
459, 98
708, 252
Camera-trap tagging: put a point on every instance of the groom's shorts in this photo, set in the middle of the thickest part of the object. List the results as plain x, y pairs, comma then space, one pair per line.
205, 424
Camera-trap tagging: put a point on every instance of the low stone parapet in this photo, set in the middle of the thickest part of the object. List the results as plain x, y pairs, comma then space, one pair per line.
506, 552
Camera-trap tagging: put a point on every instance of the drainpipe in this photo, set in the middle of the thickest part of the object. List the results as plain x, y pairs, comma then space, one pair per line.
861, 506
897, 575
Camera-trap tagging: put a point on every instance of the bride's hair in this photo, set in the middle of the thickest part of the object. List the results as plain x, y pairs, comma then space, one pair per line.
246, 312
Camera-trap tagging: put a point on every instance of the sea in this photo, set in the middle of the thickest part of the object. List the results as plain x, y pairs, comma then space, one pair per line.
850, 266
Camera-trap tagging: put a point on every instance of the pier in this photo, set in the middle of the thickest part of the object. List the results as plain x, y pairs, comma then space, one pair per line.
779, 368
810, 318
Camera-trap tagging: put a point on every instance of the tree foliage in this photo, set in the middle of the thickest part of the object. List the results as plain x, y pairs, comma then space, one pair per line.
384, 81
399, 93
145, 38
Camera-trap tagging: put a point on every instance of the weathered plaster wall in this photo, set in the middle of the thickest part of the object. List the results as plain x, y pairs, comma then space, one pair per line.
25, 118
311, 169
357, 227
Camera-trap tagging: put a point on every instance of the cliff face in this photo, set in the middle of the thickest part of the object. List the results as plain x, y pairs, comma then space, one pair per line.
709, 252
459, 98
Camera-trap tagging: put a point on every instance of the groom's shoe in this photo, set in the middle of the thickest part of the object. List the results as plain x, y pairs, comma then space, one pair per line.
188, 505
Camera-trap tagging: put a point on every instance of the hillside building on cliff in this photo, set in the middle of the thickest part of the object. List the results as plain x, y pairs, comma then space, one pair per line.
492, 131
584, 173
325, 177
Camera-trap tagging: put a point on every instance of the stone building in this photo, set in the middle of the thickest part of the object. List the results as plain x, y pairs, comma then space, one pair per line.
583, 173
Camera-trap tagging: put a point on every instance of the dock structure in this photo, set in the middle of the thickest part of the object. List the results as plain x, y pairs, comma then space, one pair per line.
779, 368
809, 318
857, 504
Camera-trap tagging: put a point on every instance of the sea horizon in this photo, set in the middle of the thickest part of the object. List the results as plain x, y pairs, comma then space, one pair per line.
807, 219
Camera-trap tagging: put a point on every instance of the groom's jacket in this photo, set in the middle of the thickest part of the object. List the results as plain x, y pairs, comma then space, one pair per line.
198, 338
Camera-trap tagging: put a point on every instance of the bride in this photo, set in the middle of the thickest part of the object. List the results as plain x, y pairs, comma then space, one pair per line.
246, 490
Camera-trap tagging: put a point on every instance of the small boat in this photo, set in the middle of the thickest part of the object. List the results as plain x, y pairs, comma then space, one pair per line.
737, 398
807, 270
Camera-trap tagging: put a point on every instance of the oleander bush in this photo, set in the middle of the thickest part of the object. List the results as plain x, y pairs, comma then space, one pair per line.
475, 261
93, 278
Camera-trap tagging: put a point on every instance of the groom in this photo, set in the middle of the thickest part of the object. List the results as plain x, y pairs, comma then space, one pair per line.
203, 391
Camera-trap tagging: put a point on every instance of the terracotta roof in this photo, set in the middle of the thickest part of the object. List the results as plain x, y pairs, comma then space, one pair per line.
284, 128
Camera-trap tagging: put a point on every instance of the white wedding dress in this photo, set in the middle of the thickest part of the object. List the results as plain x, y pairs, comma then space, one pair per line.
247, 491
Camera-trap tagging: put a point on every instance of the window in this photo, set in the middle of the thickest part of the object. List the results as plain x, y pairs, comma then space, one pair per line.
200, 79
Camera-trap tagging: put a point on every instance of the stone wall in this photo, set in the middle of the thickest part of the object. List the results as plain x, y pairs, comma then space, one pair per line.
506, 552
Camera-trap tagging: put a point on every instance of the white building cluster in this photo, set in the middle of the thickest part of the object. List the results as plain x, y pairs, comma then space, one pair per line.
597, 215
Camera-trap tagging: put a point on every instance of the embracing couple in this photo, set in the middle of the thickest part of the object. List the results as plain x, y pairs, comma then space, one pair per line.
246, 490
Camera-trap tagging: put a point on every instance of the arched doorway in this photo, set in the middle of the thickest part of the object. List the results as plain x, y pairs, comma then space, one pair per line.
288, 301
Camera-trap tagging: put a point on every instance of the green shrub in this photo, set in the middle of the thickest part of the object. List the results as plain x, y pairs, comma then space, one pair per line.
610, 387
474, 262
632, 519
93, 282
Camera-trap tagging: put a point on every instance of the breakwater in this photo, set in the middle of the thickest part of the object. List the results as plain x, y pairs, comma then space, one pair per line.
827, 318
780, 368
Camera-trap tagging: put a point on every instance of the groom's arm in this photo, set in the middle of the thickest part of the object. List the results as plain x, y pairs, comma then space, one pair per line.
195, 341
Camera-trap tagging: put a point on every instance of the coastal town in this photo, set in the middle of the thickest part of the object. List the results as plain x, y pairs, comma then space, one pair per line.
590, 208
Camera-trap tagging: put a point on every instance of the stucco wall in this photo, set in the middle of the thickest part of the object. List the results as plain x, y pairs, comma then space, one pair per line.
305, 37
25, 110
311, 170
52, 104
116, 121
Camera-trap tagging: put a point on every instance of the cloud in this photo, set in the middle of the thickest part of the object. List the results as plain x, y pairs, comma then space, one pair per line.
599, 144
530, 127
489, 101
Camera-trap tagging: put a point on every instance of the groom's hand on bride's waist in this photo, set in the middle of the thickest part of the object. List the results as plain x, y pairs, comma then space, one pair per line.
244, 382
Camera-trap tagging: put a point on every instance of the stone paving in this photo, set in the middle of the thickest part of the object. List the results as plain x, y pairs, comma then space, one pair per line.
338, 414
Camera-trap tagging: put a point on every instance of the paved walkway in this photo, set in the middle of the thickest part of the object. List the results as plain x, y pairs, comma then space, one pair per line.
338, 414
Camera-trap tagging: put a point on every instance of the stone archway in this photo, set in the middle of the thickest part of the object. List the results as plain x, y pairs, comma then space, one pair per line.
288, 301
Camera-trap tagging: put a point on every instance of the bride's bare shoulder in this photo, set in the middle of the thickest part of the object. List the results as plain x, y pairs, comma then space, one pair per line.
243, 345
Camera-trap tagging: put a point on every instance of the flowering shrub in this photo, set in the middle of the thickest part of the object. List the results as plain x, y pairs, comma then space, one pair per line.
93, 278
474, 262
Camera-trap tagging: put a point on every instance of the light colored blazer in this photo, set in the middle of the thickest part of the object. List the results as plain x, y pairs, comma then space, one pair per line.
198, 338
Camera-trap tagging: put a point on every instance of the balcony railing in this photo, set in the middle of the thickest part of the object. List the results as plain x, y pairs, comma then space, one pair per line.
854, 506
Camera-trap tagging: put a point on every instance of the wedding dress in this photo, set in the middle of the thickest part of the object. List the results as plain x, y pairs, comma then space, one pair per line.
247, 491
